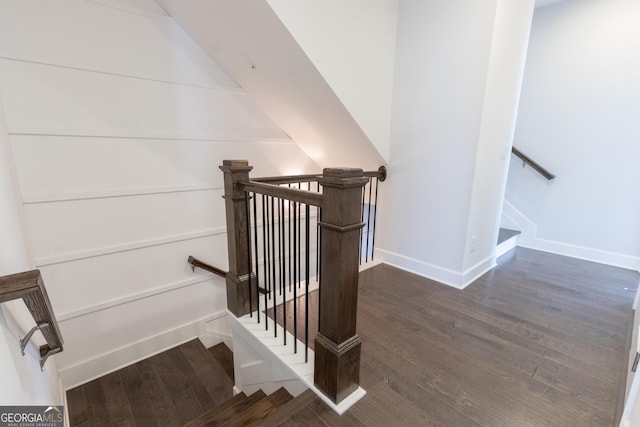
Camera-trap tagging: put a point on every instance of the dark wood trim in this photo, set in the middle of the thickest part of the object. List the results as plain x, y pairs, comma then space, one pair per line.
290, 179
195, 262
29, 286
337, 346
301, 196
381, 174
535, 165
239, 276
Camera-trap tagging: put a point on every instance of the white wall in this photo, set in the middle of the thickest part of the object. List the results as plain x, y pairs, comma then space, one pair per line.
352, 44
502, 93
23, 383
579, 118
250, 42
451, 118
118, 122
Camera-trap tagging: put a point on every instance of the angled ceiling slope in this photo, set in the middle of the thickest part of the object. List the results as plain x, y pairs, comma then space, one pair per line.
248, 40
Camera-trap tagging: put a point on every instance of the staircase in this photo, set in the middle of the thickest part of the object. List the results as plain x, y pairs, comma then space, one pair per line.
183, 386
507, 240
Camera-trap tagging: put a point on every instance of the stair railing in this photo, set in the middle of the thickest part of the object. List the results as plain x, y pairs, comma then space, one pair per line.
273, 226
29, 286
526, 160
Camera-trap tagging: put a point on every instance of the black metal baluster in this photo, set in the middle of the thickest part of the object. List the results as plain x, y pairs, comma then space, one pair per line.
255, 239
362, 229
272, 265
295, 275
375, 215
299, 243
283, 268
264, 262
319, 249
268, 245
248, 215
290, 237
306, 297
368, 222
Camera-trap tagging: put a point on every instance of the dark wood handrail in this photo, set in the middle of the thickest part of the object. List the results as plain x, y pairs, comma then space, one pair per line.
289, 179
195, 262
301, 196
29, 286
535, 165
381, 174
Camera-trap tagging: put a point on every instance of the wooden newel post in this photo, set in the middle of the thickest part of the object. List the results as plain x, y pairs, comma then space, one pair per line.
337, 346
238, 277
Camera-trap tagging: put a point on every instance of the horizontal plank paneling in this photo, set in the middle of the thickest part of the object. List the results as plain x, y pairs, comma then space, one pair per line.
86, 225
81, 34
74, 285
50, 99
58, 167
127, 324
118, 122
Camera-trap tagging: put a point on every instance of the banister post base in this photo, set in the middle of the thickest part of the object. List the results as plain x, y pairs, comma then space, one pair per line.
238, 297
340, 375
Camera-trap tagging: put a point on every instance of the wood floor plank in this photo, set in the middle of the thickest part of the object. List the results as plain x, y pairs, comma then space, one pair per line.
291, 407
305, 417
172, 370
141, 407
224, 357
117, 401
207, 378
97, 411
332, 419
161, 403
261, 409
77, 406
581, 386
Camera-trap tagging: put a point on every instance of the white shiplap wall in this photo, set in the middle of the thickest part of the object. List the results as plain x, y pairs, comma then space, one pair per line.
118, 122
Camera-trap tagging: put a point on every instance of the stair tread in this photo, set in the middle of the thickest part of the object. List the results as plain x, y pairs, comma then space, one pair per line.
224, 356
261, 409
289, 409
227, 410
506, 234
211, 372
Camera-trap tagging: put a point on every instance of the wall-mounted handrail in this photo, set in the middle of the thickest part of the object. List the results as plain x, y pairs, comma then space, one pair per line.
29, 287
526, 160
195, 262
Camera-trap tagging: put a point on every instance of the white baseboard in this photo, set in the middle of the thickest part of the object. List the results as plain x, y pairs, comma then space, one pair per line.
90, 369
217, 331
63, 397
456, 279
529, 239
506, 246
580, 252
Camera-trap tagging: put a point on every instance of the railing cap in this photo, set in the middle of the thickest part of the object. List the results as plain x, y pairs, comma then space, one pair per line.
235, 166
343, 178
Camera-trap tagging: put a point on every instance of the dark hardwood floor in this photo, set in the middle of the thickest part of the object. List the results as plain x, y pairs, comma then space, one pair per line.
169, 389
539, 341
